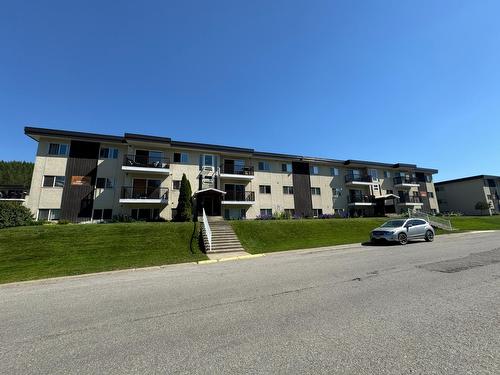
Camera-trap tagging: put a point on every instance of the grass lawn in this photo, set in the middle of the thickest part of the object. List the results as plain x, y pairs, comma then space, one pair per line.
28, 253
268, 236
263, 236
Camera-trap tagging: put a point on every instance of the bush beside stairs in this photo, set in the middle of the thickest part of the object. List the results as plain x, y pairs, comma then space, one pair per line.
224, 240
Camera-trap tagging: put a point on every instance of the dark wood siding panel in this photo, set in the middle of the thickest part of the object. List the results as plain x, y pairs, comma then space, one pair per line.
302, 189
78, 201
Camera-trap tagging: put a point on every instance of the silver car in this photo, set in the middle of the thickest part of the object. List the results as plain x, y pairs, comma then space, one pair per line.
403, 230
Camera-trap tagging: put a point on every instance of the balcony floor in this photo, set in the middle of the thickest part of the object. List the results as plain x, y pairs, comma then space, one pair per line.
148, 170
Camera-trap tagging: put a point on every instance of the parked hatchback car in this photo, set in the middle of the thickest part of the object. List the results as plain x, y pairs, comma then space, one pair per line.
403, 230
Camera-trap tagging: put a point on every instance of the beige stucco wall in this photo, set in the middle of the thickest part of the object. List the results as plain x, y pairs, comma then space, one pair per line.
462, 196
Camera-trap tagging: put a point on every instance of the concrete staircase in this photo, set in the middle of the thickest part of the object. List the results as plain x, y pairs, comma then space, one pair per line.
224, 240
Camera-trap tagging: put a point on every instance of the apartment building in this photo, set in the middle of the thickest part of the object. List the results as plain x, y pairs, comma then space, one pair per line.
462, 194
83, 176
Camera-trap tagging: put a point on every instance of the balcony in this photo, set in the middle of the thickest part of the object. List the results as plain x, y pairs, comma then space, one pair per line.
410, 200
361, 200
144, 195
13, 193
146, 164
353, 180
230, 171
238, 198
405, 182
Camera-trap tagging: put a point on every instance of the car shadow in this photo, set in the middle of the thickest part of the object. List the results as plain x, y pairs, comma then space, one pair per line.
385, 243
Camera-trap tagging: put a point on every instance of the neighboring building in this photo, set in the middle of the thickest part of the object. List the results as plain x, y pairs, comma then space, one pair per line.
462, 195
83, 177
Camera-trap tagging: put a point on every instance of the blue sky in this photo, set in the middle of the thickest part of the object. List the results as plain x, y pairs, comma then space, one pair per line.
391, 81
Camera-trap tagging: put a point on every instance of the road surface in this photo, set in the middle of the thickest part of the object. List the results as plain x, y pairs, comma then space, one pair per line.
421, 308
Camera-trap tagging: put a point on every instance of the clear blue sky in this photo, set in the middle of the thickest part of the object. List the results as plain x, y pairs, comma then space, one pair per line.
408, 81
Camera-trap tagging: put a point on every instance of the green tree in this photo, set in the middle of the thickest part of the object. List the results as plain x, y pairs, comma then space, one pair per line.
16, 173
481, 206
185, 204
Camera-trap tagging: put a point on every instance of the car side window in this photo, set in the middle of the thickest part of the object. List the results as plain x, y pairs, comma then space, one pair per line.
417, 222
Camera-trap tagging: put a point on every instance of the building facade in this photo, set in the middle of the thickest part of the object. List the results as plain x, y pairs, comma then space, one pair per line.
462, 195
82, 177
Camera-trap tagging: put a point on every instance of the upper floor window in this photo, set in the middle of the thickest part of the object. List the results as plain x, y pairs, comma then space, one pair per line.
108, 153
431, 194
287, 189
490, 183
264, 166
315, 191
104, 183
181, 157
314, 169
334, 171
53, 181
265, 189
428, 178
176, 184
336, 192
387, 174
286, 167
208, 160
58, 149
389, 191
373, 173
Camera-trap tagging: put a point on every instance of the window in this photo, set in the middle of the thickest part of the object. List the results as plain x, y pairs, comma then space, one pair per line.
181, 157
208, 160
286, 167
376, 187
100, 214
314, 169
264, 166
58, 149
315, 191
108, 153
104, 183
176, 184
428, 178
334, 171
145, 213
49, 214
265, 189
387, 174
389, 191
336, 192
287, 189
373, 173
266, 212
317, 212
430, 194
53, 181
490, 183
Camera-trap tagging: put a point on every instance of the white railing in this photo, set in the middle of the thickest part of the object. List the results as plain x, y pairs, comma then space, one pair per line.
432, 219
207, 231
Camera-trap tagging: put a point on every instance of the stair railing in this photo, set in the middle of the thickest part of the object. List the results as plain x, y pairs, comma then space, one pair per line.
207, 230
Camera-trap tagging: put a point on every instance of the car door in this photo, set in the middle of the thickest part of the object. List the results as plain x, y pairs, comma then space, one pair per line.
421, 228
413, 229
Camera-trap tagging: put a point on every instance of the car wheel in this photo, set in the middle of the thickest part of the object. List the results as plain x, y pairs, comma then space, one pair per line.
403, 239
429, 236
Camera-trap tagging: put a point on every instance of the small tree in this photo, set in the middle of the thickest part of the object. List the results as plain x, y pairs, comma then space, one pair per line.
482, 206
185, 204
13, 214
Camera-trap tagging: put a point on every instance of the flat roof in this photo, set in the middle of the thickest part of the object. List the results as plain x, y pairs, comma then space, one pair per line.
35, 132
470, 178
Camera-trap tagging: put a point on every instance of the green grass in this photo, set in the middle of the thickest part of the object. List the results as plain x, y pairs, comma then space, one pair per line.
28, 253
475, 222
268, 236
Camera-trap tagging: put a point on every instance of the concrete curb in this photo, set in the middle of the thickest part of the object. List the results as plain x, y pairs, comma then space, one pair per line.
240, 257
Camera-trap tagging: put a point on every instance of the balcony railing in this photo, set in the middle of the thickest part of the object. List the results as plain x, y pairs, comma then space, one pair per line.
129, 192
143, 161
246, 170
358, 178
405, 180
12, 193
239, 196
361, 199
410, 199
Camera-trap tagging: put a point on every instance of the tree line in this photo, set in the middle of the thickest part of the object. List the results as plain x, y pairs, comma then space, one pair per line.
16, 173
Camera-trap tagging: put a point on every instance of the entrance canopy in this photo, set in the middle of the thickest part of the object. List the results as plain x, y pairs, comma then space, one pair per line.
210, 190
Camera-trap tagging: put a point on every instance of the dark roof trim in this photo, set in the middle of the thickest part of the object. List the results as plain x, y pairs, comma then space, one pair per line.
70, 134
426, 170
470, 178
205, 146
261, 154
147, 138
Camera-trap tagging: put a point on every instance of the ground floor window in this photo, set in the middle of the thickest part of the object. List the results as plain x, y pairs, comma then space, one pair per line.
317, 212
102, 214
145, 213
266, 212
235, 213
289, 212
49, 214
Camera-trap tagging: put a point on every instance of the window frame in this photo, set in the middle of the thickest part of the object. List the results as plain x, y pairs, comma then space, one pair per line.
334, 171
264, 189
264, 164
288, 190
286, 167
315, 190
55, 181
59, 147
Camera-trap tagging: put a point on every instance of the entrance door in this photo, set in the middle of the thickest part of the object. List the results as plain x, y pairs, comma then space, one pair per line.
139, 188
210, 201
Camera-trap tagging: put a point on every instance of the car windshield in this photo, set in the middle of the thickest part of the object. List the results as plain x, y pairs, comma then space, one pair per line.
393, 224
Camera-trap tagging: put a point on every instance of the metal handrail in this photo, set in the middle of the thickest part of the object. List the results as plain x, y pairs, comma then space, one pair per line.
246, 170
146, 161
431, 219
404, 180
130, 192
358, 178
207, 230
240, 196
410, 199
361, 199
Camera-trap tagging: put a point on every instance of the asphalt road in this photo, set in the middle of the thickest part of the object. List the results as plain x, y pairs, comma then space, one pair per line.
421, 308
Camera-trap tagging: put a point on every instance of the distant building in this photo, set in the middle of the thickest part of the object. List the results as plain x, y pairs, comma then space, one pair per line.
462, 194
